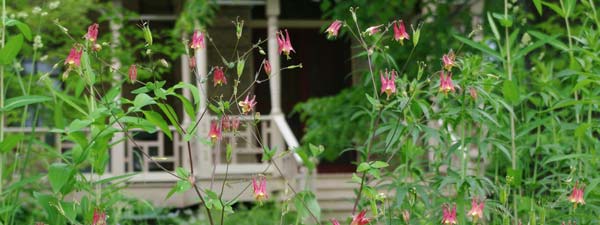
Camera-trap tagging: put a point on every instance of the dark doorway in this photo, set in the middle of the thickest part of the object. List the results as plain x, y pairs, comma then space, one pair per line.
326, 71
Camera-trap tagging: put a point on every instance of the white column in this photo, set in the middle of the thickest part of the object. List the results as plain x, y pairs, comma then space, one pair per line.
203, 160
272, 12
186, 77
118, 150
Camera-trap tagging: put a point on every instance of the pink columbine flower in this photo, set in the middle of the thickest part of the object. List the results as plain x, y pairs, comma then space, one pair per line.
449, 60
335, 222
400, 31
248, 104
388, 84
285, 44
577, 195
473, 93
215, 132
373, 30
333, 29
132, 73
99, 218
260, 189
197, 40
360, 219
449, 216
92, 34
219, 76
74, 58
229, 124
476, 211
267, 67
446, 84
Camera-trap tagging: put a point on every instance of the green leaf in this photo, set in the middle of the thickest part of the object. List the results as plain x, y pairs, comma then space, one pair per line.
11, 49
510, 92
240, 67
25, 30
493, 26
58, 175
157, 119
316, 150
142, 100
10, 142
479, 46
20, 101
379, 164
550, 39
538, 6
181, 172
87, 68
363, 167
306, 203
228, 151
569, 156
180, 186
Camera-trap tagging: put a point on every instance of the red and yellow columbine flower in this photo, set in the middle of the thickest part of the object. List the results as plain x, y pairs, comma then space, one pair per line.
92, 33
248, 104
260, 189
446, 84
219, 76
228, 124
449, 60
373, 30
215, 132
448, 216
333, 29
335, 222
400, 31
577, 195
197, 40
285, 44
99, 218
267, 67
476, 211
360, 219
132, 73
388, 84
74, 58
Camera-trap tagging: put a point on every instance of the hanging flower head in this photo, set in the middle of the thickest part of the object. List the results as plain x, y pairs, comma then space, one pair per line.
197, 40
400, 31
99, 218
446, 84
132, 73
248, 104
219, 76
577, 195
267, 67
373, 30
333, 29
74, 58
448, 216
473, 93
388, 84
214, 133
449, 60
285, 44
92, 33
476, 211
229, 124
260, 189
360, 219
335, 222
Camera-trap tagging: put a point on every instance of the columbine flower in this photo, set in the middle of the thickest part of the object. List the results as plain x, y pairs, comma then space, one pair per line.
473, 93
260, 189
449, 216
476, 211
446, 84
448, 60
577, 195
229, 124
214, 133
219, 76
388, 84
333, 29
406, 216
74, 58
285, 44
248, 104
197, 40
373, 30
92, 34
360, 219
267, 67
99, 218
400, 31
132, 73
335, 222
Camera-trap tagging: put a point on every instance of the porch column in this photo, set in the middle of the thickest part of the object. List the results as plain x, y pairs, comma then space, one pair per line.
118, 150
272, 13
203, 160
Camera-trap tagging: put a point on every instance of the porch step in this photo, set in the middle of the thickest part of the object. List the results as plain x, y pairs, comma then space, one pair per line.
335, 194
